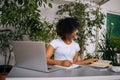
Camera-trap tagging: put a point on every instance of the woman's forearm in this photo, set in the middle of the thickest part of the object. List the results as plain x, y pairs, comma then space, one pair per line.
54, 62
82, 62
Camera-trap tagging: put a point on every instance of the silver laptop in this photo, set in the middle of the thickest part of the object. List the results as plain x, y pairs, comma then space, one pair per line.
31, 55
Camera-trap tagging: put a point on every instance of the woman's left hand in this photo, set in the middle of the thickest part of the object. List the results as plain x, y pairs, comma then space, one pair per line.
90, 61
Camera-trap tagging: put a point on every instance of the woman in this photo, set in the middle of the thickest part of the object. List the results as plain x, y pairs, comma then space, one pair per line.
65, 49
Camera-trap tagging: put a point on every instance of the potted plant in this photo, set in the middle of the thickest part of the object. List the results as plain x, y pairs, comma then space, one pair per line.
5, 48
108, 48
116, 40
19, 18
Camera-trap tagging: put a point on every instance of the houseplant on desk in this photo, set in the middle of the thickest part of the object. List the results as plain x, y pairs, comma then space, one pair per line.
108, 48
116, 40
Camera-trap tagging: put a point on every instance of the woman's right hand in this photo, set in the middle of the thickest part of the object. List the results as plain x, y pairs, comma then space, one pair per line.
66, 63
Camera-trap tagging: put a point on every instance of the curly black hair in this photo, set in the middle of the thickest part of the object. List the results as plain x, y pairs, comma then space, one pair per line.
66, 26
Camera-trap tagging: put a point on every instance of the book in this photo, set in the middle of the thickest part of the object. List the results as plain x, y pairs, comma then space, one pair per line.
73, 66
101, 64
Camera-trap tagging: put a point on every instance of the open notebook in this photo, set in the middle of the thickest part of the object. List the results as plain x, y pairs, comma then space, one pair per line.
73, 66
101, 64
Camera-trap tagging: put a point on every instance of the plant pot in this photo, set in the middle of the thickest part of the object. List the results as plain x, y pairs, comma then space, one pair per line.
5, 69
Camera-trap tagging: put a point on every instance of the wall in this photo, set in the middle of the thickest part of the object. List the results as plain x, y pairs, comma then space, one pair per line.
49, 13
112, 6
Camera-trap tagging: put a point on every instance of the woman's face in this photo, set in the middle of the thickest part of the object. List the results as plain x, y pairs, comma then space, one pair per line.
72, 35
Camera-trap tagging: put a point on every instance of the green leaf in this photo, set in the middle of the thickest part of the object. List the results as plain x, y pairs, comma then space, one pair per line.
50, 5
45, 1
40, 2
